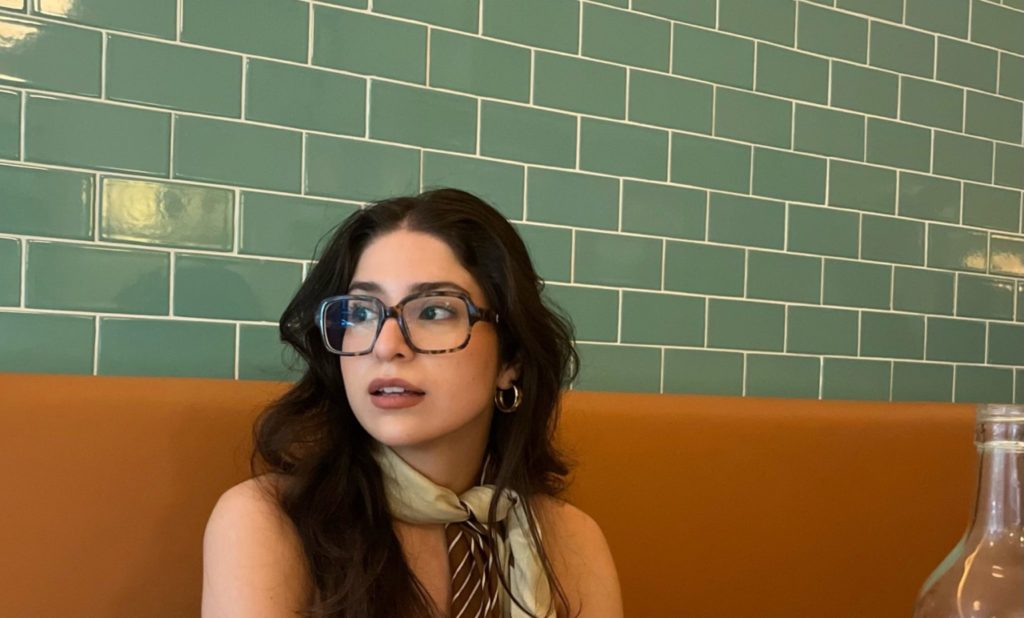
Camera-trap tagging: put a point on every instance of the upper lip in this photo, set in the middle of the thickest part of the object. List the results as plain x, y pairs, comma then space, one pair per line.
380, 383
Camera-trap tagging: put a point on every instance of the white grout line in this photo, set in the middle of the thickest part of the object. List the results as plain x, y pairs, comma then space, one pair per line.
95, 345
661, 381
23, 103
23, 266
479, 108
236, 242
238, 338
170, 284
309, 35
302, 164
179, 20
103, 65
618, 321
579, 131
426, 77
245, 85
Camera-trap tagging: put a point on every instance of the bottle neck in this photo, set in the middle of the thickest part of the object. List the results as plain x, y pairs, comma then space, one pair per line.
999, 504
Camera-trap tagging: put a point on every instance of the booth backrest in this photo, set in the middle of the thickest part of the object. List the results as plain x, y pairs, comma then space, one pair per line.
712, 506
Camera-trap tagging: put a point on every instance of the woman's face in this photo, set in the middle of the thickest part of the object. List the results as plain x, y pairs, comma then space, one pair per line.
458, 387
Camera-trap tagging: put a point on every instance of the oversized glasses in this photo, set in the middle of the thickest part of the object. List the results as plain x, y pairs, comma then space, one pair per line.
431, 322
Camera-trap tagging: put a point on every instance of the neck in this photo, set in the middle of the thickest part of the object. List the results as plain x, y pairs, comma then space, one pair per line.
454, 464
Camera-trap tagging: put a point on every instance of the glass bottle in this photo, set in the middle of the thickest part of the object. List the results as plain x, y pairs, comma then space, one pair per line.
983, 577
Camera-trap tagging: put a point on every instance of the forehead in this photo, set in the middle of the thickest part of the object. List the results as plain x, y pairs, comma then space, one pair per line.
397, 261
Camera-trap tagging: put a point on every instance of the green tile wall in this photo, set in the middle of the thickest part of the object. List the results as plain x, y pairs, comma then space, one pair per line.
777, 198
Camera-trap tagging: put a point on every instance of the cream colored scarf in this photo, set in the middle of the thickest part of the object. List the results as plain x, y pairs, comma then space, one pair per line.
416, 499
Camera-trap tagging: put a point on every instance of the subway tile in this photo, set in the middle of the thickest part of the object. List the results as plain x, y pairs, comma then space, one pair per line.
10, 124
608, 259
703, 372
551, 24
358, 170
422, 117
994, 117
618, 368
1011, 79
855, 284
49, 56
927, 197
822, 231
991, 207
701, 12
745, 325
864, 90
165, 348
160, 213
276, 28
931, 103
711, 163
237, 153
10, 272
460, 14
997, 26
625, 37
704, 269
923, 291
828, 132
899, 145
739, 220
570, 198
550, 250
946, 16
891, 239
623, 149
955, 340
862, 187
173, 76
771, 20
233, 288
962, 157
263, 356
90, 278
957, 248
818, 330
368, 44
527, 134
891, 335
984, 297
712, 56
154, 17
789, 176
1005, 344
983, 385
670, 102
46, 202
579, 85
846, 378
304, 98
782, 376
1009, 166
96, 135
779, 276
832, 33
922, 382
662, 319
287, 226
499, 184
46, 343
663, 210
594, 311
478, 66
966, 64
891, 10
902, 49
1006, 257
751, 117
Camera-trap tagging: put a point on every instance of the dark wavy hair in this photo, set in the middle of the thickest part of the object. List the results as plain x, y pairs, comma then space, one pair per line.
333, 490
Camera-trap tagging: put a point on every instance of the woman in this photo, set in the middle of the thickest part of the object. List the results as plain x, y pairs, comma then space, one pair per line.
411, 471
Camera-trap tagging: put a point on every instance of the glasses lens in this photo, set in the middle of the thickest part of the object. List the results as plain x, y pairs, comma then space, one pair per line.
350, 324
437, 323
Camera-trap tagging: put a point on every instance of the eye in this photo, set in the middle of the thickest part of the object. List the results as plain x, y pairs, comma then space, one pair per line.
435, 312
360, 313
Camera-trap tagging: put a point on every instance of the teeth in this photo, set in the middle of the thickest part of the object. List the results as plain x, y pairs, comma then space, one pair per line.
388, 390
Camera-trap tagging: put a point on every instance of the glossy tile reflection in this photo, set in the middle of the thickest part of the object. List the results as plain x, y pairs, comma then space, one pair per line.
49, 56
166, 214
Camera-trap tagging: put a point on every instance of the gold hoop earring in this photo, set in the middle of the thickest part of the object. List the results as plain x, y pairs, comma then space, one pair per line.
499, 399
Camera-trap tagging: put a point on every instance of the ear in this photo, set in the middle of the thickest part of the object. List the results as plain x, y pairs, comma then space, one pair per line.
509, 373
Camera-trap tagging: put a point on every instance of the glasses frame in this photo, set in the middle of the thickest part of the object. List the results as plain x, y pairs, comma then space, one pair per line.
476, 314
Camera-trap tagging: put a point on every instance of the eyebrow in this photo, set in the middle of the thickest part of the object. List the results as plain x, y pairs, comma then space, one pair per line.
424, 286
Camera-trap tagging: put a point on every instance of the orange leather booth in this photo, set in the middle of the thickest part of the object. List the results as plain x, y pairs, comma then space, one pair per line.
713, 506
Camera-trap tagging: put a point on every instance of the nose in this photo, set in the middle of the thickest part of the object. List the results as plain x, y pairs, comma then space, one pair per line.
391, 343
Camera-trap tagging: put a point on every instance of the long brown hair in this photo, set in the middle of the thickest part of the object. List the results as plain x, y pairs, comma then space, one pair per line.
334, 492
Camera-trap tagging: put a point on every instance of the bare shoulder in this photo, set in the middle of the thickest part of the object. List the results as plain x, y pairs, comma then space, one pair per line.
581, 558
253, 563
